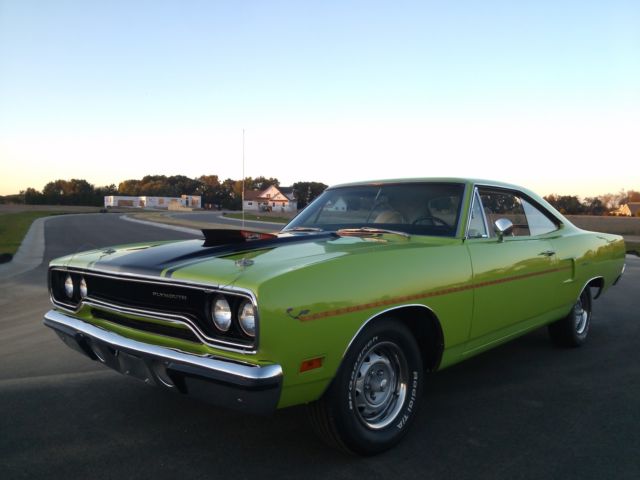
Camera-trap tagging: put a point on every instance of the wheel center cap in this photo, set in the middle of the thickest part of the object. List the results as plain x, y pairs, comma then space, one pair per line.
376, 386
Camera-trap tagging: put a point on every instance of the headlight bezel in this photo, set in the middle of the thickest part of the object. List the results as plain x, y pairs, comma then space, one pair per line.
224, 323
248, 331
69, 287
237, 302
83, 289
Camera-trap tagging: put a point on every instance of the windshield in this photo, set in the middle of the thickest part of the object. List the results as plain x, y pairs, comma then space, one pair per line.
415, 208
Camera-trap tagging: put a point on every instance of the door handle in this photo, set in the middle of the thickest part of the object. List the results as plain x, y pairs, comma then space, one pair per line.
547, 253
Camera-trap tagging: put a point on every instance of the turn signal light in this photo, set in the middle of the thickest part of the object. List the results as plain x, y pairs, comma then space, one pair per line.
311, 364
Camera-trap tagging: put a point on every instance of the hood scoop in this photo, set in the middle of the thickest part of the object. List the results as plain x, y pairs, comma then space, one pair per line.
214, 238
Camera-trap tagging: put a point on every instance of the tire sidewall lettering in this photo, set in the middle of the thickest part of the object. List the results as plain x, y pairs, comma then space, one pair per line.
363, 350
411, 401
412, 398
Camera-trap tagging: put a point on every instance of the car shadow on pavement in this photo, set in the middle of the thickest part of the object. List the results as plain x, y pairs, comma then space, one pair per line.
497, 415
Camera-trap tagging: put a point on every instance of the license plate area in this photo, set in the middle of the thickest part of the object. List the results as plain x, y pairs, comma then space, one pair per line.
133, 366
148, 370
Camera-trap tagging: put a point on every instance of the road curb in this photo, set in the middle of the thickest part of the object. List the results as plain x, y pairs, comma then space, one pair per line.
31, 251
176, 228
256, 221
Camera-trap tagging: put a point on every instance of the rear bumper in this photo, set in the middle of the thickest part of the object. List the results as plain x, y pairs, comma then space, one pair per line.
254, 389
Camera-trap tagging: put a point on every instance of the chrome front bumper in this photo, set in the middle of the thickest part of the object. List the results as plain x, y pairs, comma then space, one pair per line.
254, 389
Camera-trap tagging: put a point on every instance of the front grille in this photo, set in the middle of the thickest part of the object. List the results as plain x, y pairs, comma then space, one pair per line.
190, 302
172, 299
151, 327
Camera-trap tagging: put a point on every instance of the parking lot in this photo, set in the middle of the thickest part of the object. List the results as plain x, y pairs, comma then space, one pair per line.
524, 410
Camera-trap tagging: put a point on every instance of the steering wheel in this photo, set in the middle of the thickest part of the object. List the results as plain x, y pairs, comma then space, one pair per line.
434, 221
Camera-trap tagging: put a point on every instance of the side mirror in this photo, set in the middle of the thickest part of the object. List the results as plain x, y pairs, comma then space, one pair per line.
502, 227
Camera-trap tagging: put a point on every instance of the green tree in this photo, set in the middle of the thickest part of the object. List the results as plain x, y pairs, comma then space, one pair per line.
101, 192
231, 191
262, 183
210, 190
630, 196
566, 204
79, 192
129, 187
208, 182
67, 192
155, 186
181, 185
32, 196
54, 191
594, 206
306, 192
15, 198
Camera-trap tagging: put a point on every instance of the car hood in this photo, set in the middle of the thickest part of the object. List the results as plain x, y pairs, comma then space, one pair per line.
220, 265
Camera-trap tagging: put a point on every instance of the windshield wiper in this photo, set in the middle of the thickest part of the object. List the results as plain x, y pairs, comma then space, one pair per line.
370, 231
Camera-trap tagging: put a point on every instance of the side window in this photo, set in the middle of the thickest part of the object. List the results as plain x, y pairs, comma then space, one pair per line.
527, 219
499, 204
539, 223
477, 227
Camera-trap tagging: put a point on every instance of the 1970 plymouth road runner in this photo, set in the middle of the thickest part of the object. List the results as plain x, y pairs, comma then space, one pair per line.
370, 287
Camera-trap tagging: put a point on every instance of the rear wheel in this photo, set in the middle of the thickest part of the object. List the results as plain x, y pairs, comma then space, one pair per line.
572, 330
373, 399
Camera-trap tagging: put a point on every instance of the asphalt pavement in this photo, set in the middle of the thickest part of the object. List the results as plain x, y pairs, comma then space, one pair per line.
217, 217
526, 410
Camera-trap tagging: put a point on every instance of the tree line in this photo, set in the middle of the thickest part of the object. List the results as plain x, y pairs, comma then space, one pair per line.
600, 205
226, 194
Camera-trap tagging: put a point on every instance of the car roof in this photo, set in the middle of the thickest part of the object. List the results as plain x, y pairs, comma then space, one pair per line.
464, 181
459, 180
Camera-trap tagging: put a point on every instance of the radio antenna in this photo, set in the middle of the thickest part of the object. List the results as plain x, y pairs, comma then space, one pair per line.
243, 178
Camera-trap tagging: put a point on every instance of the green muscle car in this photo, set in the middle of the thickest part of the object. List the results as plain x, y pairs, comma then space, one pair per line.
369, 288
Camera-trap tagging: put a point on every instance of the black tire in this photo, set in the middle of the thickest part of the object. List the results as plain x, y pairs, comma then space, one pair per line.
572, 330
374, 397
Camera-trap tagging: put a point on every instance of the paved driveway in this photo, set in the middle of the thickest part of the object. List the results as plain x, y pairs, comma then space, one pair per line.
524, 410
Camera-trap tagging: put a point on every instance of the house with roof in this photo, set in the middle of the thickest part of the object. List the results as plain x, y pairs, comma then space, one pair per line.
631, 209
271, 199
339, 206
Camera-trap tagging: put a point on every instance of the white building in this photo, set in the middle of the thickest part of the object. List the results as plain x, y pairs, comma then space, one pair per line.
339, 206
170, 203
272, 199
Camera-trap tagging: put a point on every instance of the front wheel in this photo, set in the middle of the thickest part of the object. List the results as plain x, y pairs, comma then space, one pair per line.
373, 399
572, 330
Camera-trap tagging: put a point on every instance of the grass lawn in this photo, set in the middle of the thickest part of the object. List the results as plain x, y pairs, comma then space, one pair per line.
260, 218
14, 226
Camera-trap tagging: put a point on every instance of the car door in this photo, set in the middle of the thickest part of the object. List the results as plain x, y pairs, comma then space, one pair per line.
513, 275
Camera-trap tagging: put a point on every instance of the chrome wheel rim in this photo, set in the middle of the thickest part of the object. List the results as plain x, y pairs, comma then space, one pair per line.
581, 317
380, 385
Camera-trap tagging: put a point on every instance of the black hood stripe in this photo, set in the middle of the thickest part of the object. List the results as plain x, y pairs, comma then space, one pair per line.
173, 256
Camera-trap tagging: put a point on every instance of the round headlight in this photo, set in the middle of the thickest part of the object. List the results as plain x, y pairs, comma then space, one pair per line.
221, 314
68, 286
247, 317
83, 288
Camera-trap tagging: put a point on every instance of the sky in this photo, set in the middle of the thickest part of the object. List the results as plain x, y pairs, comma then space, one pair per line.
545, 94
